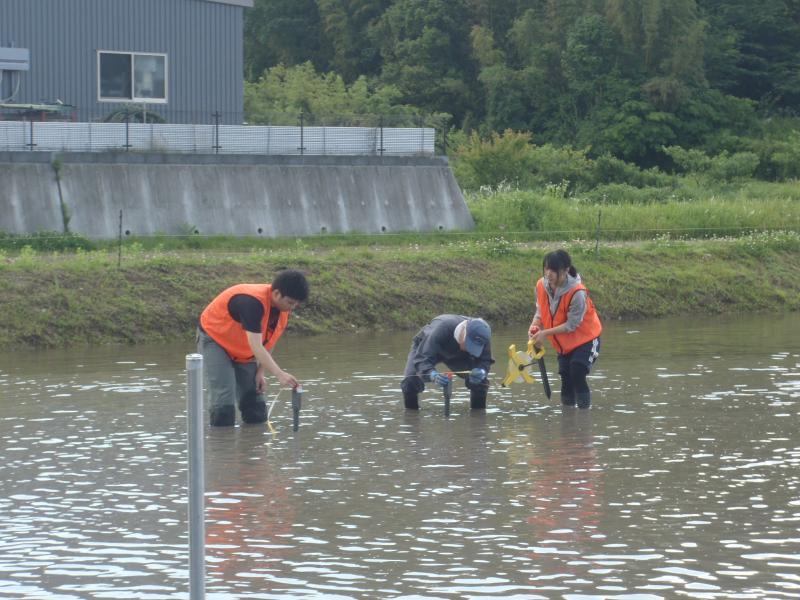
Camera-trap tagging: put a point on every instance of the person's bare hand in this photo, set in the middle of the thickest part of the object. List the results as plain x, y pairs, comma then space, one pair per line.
287, 380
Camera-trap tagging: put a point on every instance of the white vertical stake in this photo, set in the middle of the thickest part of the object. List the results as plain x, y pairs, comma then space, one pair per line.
197, 526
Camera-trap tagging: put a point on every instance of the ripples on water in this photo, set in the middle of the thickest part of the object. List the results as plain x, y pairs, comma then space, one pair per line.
681, 482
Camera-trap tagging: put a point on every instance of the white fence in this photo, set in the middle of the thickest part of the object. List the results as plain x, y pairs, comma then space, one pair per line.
210, 139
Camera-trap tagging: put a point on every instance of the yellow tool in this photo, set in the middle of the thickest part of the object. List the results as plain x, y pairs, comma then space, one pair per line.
520, 363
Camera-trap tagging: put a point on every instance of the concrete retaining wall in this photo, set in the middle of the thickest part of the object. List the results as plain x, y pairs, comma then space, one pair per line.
227, 195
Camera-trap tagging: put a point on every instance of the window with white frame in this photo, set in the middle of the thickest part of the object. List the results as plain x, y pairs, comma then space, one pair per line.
131, 77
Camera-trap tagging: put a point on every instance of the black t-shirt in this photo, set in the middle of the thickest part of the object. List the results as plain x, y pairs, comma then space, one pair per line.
249, 311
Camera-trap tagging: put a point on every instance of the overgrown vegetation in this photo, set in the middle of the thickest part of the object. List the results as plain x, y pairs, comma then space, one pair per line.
513, 185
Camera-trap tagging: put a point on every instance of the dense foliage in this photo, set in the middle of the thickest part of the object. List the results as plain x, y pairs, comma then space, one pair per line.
618, 78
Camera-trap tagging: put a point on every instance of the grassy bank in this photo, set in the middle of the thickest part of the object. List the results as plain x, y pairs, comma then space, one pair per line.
691, 211
57, 300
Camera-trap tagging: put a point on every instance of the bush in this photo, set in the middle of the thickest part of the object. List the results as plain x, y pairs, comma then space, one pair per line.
504, 158
610, 169
512, 160
730, 167
508, 211
624, 193
552, 165
688, 160
722, 167
779, 159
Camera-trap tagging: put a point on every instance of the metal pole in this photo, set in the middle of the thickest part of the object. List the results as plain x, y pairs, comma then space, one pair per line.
297, 400
32, 143
119, 246
197, 533
447, 391
216, 116
381, 126
597, 238
127, 133
302, 131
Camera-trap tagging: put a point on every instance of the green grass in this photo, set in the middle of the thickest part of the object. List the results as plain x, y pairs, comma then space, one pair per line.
64, 299
552, 214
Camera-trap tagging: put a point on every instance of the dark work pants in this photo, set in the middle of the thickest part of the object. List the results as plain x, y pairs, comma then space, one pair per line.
573, 369
413, 384
229, 383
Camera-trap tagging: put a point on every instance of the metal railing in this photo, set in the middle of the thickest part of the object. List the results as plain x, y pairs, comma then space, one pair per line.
147, 132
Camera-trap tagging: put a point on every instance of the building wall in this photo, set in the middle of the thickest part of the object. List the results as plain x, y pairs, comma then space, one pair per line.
202, 41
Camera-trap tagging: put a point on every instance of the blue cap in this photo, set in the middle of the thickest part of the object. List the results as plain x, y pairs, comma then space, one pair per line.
478, 335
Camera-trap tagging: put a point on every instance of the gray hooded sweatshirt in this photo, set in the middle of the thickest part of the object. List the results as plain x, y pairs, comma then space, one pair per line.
577, 308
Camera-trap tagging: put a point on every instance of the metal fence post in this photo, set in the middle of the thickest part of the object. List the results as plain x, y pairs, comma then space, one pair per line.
380, 124
302, 147
597, 233
119, 242
197, 533
216, 145
31, 144
127, 144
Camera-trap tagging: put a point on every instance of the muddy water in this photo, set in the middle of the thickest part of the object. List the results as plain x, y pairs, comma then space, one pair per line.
682, 481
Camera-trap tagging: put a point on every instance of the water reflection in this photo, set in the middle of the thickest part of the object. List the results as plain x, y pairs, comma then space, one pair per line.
250, 511
681, 481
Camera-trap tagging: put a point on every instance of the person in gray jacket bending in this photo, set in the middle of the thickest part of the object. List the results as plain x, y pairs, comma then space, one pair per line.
461, 343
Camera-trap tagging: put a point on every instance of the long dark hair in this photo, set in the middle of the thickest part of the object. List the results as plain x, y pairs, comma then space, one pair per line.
558, 260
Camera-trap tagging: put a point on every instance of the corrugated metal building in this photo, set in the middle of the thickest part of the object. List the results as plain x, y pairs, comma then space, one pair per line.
182, 59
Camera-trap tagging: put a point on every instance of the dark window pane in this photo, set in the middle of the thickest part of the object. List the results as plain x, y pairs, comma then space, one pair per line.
115, 76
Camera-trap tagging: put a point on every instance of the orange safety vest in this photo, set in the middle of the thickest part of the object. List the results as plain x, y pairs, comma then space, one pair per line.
589, 329
218, 323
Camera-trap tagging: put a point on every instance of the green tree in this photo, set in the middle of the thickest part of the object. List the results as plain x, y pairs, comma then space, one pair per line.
506, 104
589, 60
281, 93
663, 42
755, 52
345, 24
285, 32
497, 16
424, 45
536, 54
633, 130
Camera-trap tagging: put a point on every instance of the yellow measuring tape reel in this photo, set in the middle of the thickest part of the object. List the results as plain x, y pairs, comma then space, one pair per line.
520, 364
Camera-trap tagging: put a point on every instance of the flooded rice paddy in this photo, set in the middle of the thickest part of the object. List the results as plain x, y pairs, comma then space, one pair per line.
683, 480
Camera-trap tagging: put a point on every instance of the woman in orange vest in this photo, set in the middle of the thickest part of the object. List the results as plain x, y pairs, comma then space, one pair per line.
236, 333
566, 316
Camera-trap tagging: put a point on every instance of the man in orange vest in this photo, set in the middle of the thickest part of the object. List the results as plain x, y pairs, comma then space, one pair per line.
236, 334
